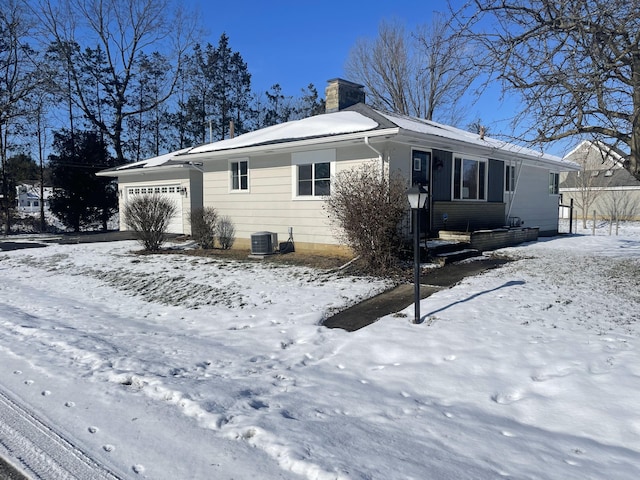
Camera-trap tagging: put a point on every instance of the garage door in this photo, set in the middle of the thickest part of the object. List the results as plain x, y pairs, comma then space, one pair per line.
172, 192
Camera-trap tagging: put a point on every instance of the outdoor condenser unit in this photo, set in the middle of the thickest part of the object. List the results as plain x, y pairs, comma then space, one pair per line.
263, 243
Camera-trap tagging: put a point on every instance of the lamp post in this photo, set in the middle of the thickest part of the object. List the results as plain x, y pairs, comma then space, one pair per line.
417, 196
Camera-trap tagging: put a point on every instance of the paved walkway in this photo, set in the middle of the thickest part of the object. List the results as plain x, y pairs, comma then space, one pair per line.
400, 297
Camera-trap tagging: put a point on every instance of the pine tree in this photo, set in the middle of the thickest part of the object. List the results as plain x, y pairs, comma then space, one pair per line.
80, 198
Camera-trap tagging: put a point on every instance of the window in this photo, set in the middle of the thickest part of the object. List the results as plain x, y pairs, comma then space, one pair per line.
240, 175
311, 174
509, 178
314, 179
554, 183
469, 179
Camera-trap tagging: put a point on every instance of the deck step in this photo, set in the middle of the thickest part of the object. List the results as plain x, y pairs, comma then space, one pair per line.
456, 256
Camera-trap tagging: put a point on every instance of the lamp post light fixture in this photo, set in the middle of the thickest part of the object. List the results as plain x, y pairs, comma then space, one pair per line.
417, 196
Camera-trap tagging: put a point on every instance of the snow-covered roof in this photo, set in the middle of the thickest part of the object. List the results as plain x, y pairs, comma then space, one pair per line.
318, 126
431, 128
359, 120
167, 160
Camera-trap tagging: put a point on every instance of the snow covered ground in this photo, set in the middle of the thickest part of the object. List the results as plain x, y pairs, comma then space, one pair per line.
175, 367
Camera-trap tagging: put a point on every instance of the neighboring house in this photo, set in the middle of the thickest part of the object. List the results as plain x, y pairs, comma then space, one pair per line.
275, 179
28, 198
602, 185
178, 179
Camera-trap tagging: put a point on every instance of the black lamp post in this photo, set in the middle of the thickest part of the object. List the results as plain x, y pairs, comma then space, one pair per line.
417, 196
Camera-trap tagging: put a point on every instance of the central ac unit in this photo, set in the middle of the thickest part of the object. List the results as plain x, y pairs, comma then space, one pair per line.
263, 243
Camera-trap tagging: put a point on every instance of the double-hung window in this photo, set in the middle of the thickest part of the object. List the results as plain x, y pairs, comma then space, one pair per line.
239, 175
554, 183
312, 173
469, 179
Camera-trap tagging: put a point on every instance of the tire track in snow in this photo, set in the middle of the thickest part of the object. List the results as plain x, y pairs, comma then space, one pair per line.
42, 452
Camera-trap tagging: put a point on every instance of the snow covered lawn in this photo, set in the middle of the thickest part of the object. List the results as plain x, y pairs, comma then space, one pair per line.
167, 367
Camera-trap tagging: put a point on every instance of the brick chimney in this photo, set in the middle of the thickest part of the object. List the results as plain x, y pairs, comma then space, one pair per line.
341, 94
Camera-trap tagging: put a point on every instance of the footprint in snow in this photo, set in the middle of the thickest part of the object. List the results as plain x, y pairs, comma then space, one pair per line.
69, 404
108, 448
28, 382
17, 372
46, 393
138, 468
506, 398
93, 429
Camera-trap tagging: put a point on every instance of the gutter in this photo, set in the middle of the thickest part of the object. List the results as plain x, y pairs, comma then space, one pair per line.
380, 157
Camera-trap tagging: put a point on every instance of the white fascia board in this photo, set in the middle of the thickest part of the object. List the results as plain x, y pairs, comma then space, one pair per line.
293, 145
141, 171
599, 189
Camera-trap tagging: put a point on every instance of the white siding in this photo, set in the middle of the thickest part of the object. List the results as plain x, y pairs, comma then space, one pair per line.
270, 204
532, 201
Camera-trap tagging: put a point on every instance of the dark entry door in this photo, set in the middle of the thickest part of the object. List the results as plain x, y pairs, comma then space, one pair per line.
421, 168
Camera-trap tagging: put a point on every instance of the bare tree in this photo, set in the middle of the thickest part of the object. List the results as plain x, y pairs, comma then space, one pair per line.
445, 68
574, 63
100, 42
620, 206
383, 66
19, 79
588, 187
424, 74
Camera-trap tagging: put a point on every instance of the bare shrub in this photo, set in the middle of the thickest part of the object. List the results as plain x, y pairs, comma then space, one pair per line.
367, 206
149, 216
226, 233
203, 226
620, 206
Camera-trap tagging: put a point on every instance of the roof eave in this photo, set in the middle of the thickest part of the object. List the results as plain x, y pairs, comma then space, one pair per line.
489, 151
137, 171
293, 144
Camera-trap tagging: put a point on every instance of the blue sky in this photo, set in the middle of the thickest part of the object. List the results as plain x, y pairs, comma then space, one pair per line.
295, 43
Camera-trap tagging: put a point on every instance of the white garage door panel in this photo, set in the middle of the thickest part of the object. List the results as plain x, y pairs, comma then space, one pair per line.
172, 192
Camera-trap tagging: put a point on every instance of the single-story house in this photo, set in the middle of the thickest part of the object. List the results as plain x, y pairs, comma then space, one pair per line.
275, 179
177, 178
602, 184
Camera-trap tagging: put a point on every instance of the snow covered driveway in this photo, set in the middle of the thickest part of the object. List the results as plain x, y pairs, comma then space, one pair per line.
167, 367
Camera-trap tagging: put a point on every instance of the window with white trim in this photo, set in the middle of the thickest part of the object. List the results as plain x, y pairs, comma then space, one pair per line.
312, 173
554, 183
509, 178
239, 175
469, 179
314, 179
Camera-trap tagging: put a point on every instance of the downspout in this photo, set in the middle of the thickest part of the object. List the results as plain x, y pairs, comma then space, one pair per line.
380, 156
512, 195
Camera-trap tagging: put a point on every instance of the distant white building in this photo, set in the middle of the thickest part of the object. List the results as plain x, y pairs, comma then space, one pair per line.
28, 198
